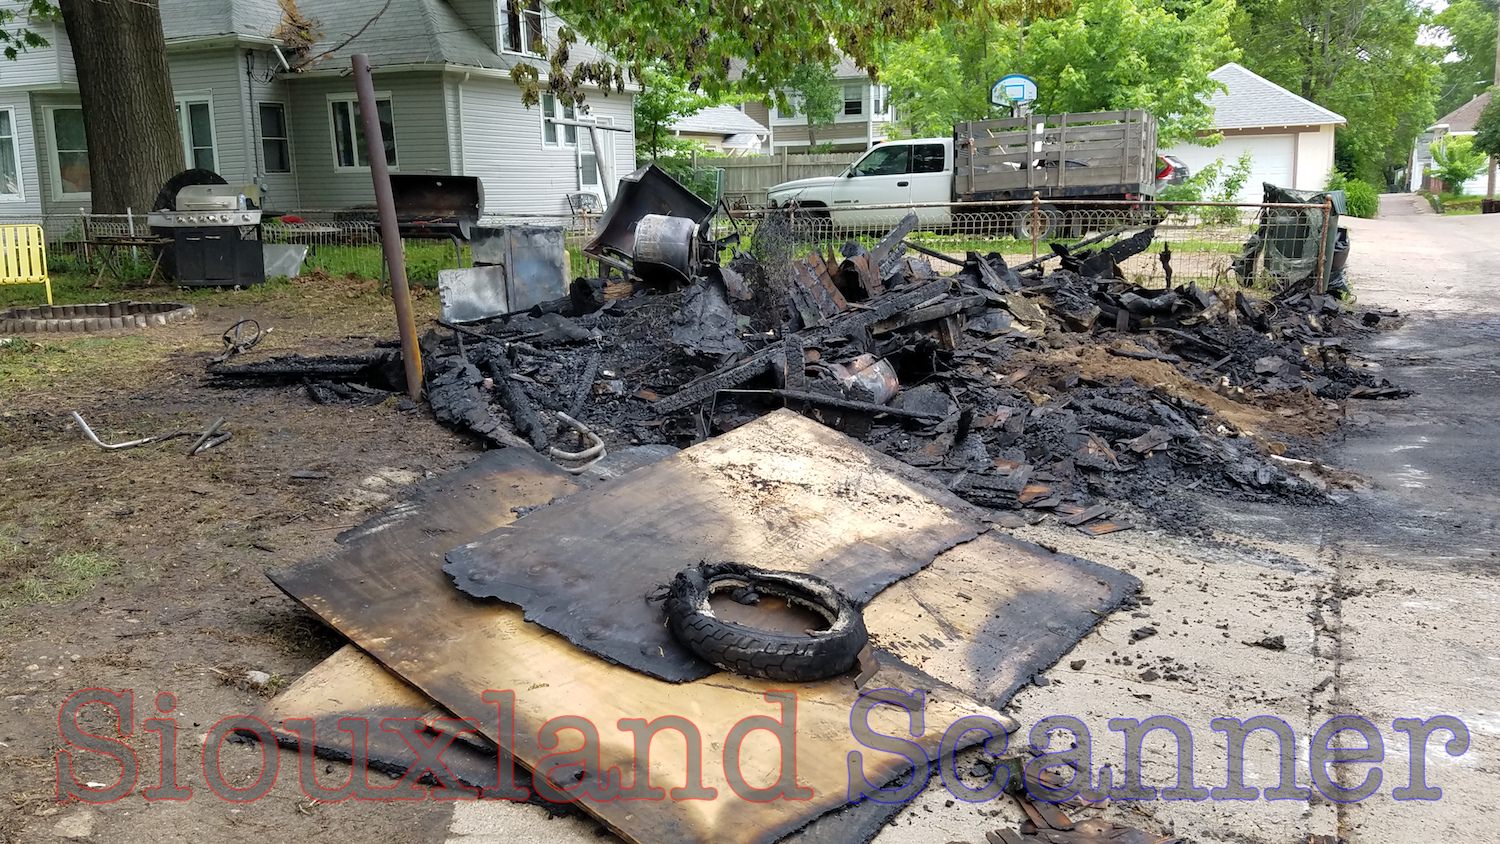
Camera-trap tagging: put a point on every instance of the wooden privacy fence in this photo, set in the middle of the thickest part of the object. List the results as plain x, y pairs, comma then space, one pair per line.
747, 179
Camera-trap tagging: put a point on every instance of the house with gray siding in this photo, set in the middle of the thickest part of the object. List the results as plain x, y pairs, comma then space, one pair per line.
256, 109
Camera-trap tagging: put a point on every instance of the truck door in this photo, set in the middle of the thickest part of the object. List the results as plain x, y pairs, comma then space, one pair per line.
882, 177
932, 181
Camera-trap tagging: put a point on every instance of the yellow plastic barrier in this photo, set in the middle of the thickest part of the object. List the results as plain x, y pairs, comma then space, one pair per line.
23, 257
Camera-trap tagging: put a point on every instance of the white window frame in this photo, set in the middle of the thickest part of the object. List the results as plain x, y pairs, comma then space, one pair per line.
559, 111
15, 145
793, 119
184, 126
58, 193
286, 126
504, 29
863, 97
883, 97
333, 137
604, 134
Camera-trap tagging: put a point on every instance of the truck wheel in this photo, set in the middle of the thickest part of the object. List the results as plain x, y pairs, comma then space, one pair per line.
1046, 219
771, 655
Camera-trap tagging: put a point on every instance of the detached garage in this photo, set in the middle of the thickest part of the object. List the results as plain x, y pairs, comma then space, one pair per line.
1289, 138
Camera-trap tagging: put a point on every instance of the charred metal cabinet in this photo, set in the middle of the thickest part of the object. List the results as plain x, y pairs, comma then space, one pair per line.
218, 256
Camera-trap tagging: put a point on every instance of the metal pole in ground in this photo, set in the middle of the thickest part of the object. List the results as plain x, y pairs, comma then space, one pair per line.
1322, 286
1036, 220
390, 232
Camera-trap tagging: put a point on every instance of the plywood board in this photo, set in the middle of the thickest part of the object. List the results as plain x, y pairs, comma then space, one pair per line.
389, 595
782, 492
988, 615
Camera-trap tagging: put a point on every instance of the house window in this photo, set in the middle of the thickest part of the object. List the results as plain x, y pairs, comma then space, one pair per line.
349, 133
553, 133
275, 142
70, 153
10, 161
880, 101
195, 120
854, 99
521, 27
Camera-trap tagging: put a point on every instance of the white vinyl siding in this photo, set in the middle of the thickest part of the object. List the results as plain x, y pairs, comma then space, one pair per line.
215, 77
29, 200
503, 146
265, 87
421, 133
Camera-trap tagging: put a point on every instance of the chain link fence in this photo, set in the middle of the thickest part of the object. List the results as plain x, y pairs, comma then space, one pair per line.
1207, 243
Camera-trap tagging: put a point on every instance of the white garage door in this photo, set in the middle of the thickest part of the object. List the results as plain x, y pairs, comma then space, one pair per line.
1271, 159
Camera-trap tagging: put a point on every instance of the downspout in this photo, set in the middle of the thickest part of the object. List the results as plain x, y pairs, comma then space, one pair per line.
463, 163
247, 120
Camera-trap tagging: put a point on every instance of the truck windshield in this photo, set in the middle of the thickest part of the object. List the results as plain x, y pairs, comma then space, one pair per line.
884, 161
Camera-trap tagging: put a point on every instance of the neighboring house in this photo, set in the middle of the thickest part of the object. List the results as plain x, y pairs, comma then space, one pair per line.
726, 129
446, 103
864, 119
1289, 138
1457, 123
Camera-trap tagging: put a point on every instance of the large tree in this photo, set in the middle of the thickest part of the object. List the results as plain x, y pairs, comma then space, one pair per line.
755, 47
129, 113
817, 97
1360, 58
1103, 54
1469, 26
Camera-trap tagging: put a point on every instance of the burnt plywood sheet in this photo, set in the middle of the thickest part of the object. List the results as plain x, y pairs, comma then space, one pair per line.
350, 684
782, 492
386, 591
989, 615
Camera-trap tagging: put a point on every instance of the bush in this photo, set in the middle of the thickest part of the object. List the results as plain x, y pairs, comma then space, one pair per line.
1362, 197
1455, 161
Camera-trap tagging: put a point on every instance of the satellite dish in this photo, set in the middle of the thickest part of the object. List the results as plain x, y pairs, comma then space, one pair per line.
1013, 90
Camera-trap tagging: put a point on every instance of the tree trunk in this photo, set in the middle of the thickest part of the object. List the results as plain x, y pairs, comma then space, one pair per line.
129, 113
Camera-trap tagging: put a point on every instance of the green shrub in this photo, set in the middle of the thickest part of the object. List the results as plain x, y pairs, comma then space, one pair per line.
1455, 161
1363, 199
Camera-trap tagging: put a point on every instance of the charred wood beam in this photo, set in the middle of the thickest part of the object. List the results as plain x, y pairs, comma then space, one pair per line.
528, 423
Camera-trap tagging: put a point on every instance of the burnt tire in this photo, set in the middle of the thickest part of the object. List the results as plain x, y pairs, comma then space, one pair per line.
767, 654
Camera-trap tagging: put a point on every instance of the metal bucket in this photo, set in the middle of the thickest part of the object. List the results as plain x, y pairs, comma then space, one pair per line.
666, 248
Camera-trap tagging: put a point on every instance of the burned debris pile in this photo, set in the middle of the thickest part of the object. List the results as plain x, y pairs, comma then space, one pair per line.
1048, 386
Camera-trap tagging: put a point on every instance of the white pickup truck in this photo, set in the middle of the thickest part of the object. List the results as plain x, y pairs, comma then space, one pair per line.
894, 173
1104, 157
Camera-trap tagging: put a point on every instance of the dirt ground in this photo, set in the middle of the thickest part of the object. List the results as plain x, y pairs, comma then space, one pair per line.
145, 570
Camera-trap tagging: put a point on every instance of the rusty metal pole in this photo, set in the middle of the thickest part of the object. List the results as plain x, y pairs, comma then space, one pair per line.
390, 231
1036, 220
1322, 286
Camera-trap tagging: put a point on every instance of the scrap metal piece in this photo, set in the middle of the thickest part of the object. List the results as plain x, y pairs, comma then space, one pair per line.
666, 248
593, 454
648, 190
94, 438
209, 433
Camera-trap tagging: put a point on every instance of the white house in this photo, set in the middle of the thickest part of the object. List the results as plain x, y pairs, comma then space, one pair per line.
1289, 138
725, 128
252, 114
1458, 123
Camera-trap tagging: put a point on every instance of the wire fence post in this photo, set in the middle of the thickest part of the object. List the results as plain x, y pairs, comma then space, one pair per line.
1323, 233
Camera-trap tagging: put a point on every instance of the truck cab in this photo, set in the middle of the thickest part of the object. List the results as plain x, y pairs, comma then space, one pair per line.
894, 173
